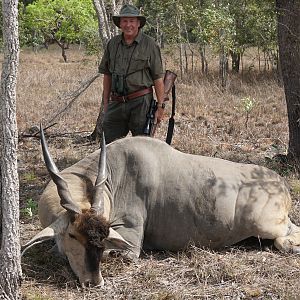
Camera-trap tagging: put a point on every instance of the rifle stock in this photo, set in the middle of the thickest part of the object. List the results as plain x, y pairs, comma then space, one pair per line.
169, 80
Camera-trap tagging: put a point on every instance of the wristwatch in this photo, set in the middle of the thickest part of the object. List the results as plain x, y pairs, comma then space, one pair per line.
161, 105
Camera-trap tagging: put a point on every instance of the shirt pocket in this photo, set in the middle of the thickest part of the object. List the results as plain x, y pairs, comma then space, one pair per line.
138, 63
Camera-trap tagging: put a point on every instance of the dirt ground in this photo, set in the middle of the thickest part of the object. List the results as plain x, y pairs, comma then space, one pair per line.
209, 121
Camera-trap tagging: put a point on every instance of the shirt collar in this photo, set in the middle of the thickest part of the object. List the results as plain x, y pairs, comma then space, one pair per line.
139, 37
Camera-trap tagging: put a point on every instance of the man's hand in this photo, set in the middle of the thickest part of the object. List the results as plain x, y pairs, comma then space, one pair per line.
106, 91
159, 114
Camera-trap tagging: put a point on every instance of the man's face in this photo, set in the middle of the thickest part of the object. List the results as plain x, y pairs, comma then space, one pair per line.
130, 26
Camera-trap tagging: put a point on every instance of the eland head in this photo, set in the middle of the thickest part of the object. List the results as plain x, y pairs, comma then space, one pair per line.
81, 235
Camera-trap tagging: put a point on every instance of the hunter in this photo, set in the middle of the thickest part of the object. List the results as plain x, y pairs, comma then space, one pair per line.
131, 65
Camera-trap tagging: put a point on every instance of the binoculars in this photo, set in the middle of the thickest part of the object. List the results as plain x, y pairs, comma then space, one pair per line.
118, 84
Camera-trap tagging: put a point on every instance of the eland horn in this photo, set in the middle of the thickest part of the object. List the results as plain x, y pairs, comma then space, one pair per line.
98, 200
62, 186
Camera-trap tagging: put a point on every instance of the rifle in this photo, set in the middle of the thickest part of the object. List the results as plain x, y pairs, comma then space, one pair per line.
150, 125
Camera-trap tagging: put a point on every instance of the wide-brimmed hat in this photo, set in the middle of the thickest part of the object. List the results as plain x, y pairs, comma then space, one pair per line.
129, 10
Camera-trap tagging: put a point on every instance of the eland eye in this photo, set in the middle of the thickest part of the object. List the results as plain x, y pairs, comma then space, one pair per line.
72, 236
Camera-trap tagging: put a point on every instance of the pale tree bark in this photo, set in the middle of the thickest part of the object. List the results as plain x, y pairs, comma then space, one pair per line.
106, 31
0, 179
223, 61
0, 194
10, 264
181, 46
103, 25
289, 55
116, 6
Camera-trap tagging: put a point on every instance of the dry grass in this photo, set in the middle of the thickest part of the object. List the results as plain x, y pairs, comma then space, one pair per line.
209, 121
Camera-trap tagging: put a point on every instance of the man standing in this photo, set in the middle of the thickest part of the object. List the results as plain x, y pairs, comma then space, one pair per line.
131, 65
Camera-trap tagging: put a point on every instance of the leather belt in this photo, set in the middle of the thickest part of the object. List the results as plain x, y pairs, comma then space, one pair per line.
131, 96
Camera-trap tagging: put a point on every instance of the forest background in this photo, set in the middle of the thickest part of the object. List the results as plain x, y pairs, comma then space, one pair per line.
228, 28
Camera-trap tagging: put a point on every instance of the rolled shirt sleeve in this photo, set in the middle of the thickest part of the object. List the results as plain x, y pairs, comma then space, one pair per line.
156, 66
104, 64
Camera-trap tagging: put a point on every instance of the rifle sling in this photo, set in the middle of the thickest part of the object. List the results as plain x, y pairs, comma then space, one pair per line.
171, 120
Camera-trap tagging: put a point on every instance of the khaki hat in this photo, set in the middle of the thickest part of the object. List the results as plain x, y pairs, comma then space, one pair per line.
129, 11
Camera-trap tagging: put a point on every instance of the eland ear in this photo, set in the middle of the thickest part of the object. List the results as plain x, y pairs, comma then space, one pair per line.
116, 241
47, 233
44, 235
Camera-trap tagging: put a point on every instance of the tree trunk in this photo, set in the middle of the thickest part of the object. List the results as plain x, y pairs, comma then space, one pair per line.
0, 195
181, 60
258, 51
103, 25
1, 139
186, 61
10, 260
105, 35
204, 63
289, 55
236, 58
116, 9
158, 32
97, 132
223, 61
223, 68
